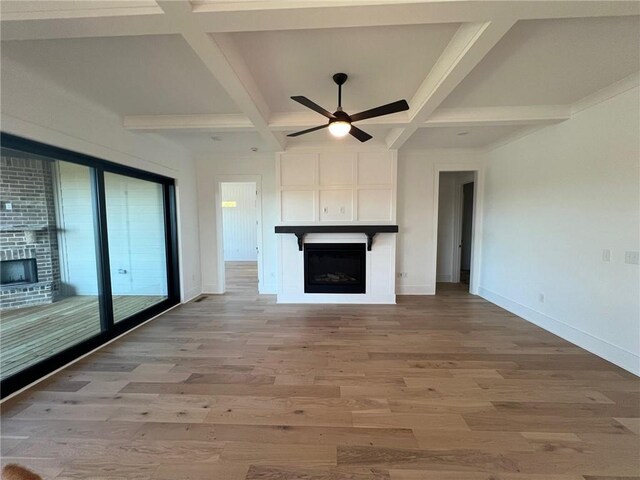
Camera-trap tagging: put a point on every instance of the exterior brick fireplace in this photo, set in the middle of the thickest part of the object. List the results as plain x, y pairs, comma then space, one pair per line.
27, 231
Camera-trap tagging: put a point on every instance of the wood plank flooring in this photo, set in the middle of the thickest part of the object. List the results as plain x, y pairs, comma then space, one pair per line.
449, 387
28, 335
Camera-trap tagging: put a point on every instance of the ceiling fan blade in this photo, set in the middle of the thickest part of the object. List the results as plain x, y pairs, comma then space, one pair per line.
359, 134
399, 106
313, 106
308, 130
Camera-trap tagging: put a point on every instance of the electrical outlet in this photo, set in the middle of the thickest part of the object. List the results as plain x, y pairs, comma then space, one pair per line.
606, 255
632, 257
8, 206
541, 297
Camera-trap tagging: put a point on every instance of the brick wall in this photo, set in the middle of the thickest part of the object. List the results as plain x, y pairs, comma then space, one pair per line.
28, 229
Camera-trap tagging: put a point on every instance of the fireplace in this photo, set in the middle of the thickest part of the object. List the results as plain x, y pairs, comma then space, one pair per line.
335, 267
18, 272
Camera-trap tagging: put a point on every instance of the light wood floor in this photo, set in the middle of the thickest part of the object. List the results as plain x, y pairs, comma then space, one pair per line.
236, 387
28, 335
241, 277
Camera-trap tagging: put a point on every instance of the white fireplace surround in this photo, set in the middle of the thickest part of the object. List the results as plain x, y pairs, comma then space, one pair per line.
380, 276
326, 187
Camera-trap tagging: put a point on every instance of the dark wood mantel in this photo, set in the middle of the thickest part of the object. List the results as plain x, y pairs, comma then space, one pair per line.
369, 230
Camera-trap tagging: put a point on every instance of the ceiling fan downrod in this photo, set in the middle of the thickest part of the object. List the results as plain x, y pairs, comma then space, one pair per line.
340, 79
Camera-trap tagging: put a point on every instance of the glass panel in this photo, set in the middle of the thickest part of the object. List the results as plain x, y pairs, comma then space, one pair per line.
48, 280
137, 252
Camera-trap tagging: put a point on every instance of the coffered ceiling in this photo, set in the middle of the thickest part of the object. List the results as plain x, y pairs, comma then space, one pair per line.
226, 69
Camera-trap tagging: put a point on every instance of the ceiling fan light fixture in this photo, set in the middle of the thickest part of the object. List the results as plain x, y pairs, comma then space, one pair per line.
339, 128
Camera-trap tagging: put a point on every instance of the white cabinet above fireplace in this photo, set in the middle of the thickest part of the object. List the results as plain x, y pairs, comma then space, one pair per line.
336, 187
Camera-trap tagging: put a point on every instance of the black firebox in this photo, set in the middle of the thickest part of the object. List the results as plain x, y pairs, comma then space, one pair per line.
335, 268
18, 272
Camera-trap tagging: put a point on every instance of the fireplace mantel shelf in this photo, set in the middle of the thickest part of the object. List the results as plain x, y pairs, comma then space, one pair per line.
23, 228
369, 230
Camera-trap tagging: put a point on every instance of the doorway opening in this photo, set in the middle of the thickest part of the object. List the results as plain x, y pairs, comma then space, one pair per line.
240, 224
456, 202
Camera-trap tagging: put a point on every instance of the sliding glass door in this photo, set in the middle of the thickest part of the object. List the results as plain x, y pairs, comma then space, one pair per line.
87, 251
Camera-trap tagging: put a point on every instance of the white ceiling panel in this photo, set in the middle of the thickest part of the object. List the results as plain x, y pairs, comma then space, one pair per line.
230, 142
145, 75
552, 62
384, 64
455, 137
30, 9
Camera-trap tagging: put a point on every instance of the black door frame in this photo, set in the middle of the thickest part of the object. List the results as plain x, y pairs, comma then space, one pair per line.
109, 329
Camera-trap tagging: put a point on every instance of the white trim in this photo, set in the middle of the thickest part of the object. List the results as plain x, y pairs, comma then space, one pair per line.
610, 352
497, 116
415, 290
606, 93
458, 204
204, 123
212, 289
66, 365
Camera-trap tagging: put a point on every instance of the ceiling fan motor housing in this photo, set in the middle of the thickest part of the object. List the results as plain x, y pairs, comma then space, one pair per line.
340, 116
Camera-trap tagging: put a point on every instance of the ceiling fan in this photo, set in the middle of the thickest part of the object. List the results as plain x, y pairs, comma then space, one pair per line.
340, 123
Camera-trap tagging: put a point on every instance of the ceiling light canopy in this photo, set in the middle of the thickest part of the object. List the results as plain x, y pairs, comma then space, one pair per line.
339, 128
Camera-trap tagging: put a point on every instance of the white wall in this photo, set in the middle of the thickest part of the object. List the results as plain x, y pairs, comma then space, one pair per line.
39, 110
416, 254
239, 220
554, 200
76, 234
211, 170
135, 226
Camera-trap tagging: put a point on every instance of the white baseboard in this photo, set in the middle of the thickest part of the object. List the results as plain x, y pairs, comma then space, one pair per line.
191, 294
610, 352
443, 278
415, 290
211, 289
268, 289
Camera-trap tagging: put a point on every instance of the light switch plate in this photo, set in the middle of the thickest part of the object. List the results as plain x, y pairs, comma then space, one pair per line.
632, 257
606, 255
